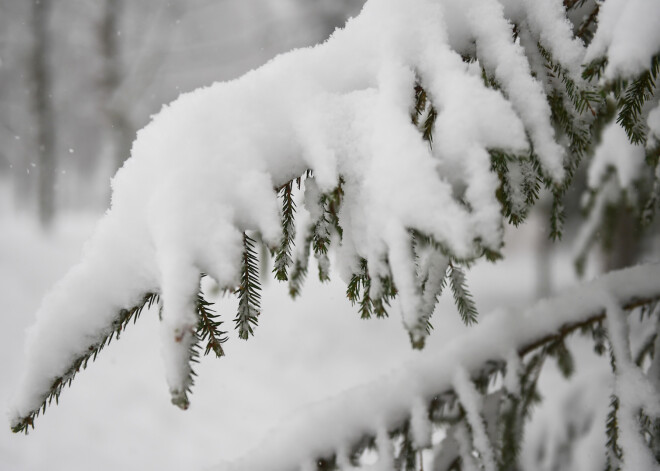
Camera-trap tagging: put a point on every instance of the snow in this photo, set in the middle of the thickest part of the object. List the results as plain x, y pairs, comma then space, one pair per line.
472, 402
628, 35
616, 152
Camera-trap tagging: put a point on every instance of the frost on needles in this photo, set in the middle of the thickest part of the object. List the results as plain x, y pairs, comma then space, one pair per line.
402, 144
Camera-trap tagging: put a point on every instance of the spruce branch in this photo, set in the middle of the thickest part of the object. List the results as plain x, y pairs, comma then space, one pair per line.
582, 98
424, 114
525, 169
249, 296
420, 104
564, 358
118, 325
614, 452
636, 95
359, 290
208, 327
283, 253
594, 70
462, 297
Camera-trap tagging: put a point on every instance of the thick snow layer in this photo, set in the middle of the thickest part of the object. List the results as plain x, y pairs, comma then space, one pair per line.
628, 35
203, 171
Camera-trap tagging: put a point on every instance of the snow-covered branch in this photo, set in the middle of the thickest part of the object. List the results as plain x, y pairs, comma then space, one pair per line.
345, 423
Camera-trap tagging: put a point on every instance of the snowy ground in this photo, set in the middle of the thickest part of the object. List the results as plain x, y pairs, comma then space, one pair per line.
117, 414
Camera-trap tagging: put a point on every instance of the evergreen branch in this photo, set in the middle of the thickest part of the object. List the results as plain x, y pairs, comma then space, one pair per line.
516, 200
557, 215
581, 98
462, 297
299, 271
283, 254
594, 70
429, 123
636, 95
359, 290
614, 452
249, 297
118, 325
208, 327
421, 107
420, 104
563, 356
328, 221
585, 32
329, 204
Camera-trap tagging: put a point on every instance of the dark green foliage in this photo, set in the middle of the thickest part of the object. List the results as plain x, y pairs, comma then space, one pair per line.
572, 108
359, 291
283, 253
593, 71
614, 452
563, 356
424, 114
462, 297
329, 204
511, 425
557, 216
118, 325
527, 172
208, 327
420, 104
599, 336
637, 93
249, 296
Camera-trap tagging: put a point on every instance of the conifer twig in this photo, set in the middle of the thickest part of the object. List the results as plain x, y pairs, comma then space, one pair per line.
125, 316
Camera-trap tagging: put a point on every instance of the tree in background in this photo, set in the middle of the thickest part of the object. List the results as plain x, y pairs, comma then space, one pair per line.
402, 146
42, 99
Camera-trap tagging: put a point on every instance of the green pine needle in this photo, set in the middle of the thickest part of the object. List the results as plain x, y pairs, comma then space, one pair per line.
283, 255
249, 291
208, 327
641, 90
462, 297
614, 452
359, 291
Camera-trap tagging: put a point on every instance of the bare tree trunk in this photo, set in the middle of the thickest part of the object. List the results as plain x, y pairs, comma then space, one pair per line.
119, 124
43, 108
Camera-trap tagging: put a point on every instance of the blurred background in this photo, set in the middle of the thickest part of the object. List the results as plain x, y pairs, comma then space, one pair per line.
77, 80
